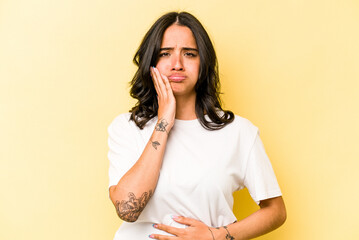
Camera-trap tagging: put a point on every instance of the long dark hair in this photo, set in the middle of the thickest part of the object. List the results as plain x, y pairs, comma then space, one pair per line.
208, 104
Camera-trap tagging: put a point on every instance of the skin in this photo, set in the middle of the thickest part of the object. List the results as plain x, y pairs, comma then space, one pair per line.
271, 215
176, 99
179, 56
135, 188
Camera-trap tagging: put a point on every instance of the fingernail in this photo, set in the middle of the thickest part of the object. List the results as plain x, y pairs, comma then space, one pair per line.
155, 225
151, 236
175, 217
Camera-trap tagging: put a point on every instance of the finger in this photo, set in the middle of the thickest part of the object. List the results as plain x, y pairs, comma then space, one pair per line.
187, 221
169, 229
162, 237
160, 82
155, 81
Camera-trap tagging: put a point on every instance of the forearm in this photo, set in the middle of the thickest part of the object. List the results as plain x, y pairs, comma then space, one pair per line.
136, 187
269, 217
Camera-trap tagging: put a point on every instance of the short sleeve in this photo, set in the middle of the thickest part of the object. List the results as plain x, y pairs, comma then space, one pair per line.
123, 151
260, 179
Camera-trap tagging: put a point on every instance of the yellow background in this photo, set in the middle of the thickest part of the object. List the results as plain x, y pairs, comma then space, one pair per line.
291, 67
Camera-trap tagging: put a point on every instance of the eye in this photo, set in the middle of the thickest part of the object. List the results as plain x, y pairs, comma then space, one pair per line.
164, 54
190, 54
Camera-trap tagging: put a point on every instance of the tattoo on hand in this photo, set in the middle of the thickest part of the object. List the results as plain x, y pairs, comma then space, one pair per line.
155, 144
131, 209
161, 126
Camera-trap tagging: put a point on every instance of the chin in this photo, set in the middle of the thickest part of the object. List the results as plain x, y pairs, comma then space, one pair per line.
177, 92
176, 89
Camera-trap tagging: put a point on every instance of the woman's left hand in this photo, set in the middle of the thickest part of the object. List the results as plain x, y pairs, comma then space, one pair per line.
195, 230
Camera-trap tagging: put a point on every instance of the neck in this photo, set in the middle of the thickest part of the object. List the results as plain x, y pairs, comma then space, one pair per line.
186, 107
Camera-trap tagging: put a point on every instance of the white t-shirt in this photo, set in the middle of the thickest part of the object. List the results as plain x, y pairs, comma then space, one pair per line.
200, 171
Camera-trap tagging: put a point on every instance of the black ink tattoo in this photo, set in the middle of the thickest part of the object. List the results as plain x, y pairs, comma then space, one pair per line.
161, 126
155, 144
131, 209
211, 233
228, 236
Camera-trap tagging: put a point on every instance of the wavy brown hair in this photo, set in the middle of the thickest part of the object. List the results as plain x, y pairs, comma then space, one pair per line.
208, 103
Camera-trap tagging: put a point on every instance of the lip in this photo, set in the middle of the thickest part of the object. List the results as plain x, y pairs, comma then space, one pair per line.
176, 78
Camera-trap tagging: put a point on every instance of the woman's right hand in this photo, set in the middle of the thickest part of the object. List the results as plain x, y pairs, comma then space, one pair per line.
166, 101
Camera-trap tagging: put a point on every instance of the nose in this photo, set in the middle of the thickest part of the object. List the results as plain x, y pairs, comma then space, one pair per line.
177, 64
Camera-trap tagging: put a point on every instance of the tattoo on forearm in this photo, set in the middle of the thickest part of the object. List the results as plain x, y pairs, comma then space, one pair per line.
161, 126
155, 144
228, 236
131, 209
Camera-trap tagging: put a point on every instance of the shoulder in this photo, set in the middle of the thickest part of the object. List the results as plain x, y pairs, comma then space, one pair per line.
121, 119
243, 124
123, 123
238, 122
242, 129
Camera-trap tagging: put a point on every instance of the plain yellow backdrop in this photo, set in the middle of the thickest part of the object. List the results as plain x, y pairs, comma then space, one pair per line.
291, 67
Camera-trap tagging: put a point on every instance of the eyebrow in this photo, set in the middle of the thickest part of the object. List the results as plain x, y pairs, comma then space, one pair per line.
185, 48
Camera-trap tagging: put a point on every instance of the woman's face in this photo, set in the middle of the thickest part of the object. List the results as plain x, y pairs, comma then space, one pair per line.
179, 59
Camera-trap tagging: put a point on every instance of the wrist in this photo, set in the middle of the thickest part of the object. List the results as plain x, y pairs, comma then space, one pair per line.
228, 234
222, 233
163, 125
219, 233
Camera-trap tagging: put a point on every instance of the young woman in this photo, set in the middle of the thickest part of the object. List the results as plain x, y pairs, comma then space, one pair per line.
177, 157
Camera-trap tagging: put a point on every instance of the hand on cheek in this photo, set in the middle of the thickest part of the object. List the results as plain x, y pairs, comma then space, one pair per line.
166, 100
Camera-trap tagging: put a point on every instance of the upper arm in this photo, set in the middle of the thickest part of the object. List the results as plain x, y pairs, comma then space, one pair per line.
276, 205
260, 179
123, 148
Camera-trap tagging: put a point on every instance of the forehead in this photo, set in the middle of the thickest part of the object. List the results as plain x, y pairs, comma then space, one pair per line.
178, 36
